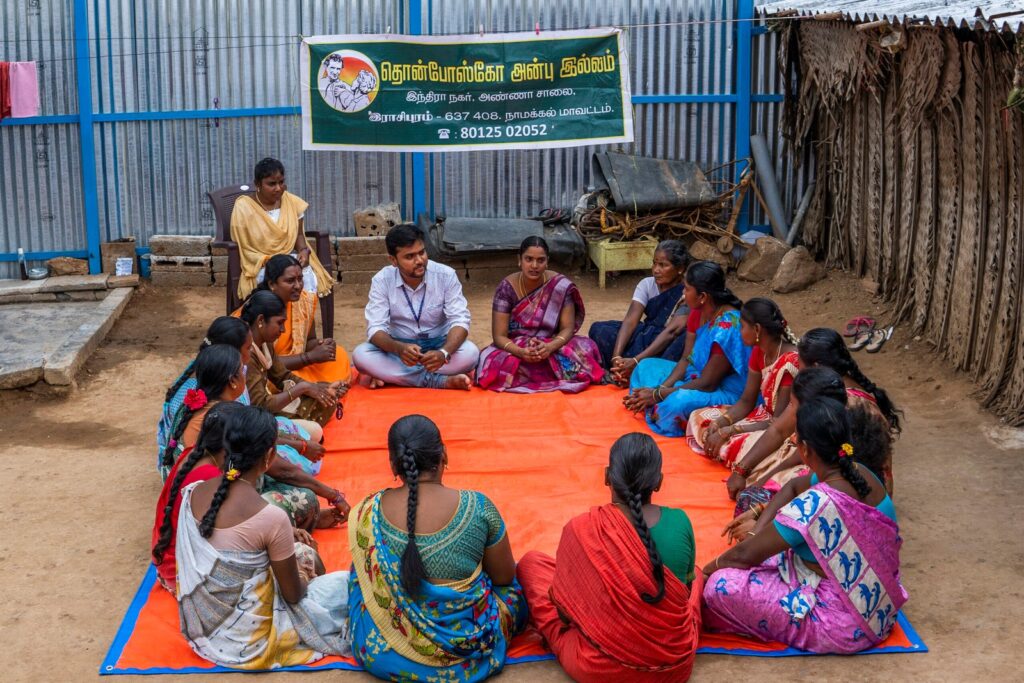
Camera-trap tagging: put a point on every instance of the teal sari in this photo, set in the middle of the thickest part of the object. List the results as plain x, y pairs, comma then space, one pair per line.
456, 631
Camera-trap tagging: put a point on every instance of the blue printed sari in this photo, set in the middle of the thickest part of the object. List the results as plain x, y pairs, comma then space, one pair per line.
456, 631
657, 313
669, 417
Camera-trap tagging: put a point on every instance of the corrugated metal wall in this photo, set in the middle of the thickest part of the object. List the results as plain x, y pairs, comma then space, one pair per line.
173, 55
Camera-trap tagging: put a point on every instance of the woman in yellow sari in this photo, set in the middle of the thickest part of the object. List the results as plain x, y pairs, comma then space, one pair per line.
271, 222
298, 349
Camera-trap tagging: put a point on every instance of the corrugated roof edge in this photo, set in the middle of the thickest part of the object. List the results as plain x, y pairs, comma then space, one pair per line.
1009, 22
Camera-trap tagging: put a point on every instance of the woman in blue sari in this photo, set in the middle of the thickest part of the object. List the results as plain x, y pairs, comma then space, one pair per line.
655, 323
433, 595
715, 371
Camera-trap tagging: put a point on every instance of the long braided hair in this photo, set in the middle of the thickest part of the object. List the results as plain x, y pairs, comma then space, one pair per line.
210, 441
414, 446
824, 425
248, 435
767, 314
223, 330
634, 471
824, 346
819, 382
707, 277
215, 368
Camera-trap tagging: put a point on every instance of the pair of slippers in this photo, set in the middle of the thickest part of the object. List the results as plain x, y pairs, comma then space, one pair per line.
866, 335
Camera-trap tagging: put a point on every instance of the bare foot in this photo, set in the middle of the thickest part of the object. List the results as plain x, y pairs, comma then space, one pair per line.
327, 519
371, 382
458, 382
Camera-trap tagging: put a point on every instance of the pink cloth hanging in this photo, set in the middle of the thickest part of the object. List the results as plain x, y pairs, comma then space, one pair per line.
24, 90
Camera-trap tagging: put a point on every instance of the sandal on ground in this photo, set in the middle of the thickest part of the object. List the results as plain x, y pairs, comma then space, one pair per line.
862, 339
878, 338
855, 326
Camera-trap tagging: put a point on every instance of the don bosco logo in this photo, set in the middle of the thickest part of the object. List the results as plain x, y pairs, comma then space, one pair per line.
347, 81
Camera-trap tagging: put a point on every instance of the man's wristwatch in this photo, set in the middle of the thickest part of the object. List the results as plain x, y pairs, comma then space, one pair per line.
447, 356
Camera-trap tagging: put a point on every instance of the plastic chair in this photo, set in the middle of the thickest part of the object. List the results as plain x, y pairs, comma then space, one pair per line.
223, 201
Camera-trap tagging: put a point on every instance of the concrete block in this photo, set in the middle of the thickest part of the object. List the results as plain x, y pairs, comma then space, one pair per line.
162, 278
118, 281
73, 283
488, 276
358, 246
377, 220
111, 251
61, 366
219, 264
185, 263
356, 277
372, 262
180, 245
218, 251
65, 265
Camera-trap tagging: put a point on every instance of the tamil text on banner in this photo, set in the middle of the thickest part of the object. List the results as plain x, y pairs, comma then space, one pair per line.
471, 92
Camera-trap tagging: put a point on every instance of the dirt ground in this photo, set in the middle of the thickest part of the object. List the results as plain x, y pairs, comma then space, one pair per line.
78, 486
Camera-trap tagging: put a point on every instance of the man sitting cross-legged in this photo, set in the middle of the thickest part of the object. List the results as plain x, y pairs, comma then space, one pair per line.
417, 320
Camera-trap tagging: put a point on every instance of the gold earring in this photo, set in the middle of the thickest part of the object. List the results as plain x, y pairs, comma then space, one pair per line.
757, 339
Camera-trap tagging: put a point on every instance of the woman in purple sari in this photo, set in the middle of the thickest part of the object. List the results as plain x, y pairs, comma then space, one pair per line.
820, 572
536, 314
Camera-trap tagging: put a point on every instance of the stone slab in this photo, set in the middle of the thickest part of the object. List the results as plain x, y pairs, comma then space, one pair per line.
65, 265
180, 245
354, 246
16, 288
61, 367
73, 283
117, 281
163, 278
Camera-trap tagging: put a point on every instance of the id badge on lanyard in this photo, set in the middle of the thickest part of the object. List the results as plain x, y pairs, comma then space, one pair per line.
416, 314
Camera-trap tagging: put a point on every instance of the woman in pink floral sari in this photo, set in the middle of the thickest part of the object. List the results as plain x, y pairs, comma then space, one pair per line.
726, 433
536, 314
821, 570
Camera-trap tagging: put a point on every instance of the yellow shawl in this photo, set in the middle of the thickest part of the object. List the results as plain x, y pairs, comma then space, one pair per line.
259, 237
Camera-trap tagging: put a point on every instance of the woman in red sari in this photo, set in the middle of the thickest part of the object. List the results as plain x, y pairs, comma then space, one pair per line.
536, 314
726, 433
620, 601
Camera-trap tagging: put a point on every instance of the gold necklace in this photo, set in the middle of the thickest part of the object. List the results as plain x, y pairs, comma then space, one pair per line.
778, 354
260, 202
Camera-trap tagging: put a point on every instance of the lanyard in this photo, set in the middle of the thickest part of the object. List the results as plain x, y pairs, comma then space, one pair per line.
416, 314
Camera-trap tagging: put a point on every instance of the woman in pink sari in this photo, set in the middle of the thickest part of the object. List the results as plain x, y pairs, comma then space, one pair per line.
820, 572
536, 314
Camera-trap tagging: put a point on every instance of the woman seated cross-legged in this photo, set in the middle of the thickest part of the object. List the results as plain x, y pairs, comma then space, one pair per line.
298, 349
535, 317
433, 595
655, 322
725, 433
250, 596
821, 571
714, 373
620, 601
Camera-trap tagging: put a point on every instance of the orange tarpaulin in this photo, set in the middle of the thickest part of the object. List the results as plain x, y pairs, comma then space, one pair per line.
540, 458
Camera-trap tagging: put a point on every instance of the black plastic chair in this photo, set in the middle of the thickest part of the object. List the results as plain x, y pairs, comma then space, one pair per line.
223, 201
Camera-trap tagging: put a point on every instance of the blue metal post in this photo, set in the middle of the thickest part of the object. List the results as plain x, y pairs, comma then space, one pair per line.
744, 94
86, 136
419, 179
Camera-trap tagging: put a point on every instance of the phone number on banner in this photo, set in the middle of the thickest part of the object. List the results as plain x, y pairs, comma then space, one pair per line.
528, 130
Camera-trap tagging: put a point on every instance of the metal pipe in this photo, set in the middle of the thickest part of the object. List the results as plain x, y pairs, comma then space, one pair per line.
798, 219
769, 186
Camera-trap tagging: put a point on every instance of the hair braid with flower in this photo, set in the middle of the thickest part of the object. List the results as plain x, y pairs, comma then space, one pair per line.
249, 435
634, 471
223, 330
210, 441
215, 368
824, 425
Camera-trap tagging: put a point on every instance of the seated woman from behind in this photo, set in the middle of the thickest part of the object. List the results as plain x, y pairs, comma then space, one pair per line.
726, 433
271, 384
655, 322
270, 222
820, 573
249, 596
535, 315
620, 601
298, 349
714, 373
772, 460
433, 594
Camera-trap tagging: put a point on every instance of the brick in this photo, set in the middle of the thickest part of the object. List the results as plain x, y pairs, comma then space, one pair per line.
177, 279
358, 246
357, 277
118, 281
372, 262
180, 245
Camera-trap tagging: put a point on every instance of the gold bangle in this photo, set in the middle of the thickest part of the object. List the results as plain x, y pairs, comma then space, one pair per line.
728, 419
289, 391
716, 562
505, 347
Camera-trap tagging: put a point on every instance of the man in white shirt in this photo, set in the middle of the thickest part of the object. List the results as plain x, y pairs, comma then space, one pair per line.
417, 320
